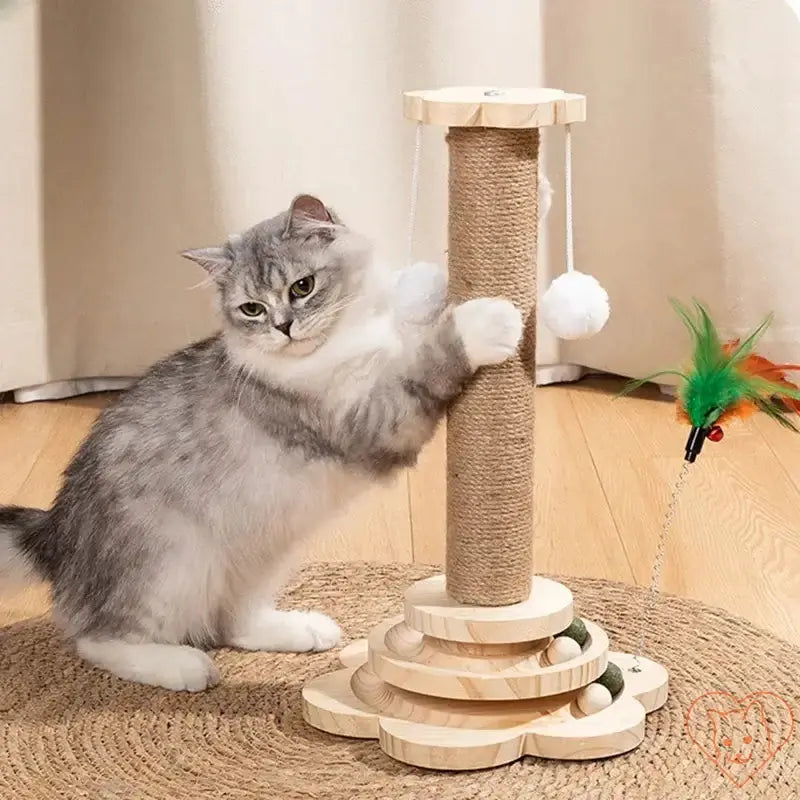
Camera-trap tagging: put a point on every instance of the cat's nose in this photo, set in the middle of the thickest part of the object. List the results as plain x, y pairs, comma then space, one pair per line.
284, 327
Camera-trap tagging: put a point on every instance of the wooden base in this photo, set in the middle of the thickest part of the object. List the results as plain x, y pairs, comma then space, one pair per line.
430, 610
454, 705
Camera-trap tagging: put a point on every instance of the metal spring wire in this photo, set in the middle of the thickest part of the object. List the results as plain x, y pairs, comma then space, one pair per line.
658, 563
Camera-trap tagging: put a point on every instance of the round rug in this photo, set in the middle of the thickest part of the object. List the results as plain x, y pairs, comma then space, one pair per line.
69, 731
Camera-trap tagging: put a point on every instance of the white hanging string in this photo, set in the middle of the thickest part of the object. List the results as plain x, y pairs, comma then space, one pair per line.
412, 207
568, 196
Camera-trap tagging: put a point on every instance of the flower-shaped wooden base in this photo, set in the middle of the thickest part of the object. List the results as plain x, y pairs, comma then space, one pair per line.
455, 687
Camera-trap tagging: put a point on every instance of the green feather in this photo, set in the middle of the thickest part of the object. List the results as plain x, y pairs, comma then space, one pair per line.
709, 392
777, 413
746, 347
714, 383
709, 355
684, 314
632, 386
762, 387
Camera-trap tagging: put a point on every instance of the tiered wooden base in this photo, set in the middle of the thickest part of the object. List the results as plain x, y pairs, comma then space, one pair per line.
447, 686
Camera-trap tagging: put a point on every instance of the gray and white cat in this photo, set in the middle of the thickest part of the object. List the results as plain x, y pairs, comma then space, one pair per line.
182, 511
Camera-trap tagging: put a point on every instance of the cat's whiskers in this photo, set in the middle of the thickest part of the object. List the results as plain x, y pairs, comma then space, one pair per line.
203, 284
324, 322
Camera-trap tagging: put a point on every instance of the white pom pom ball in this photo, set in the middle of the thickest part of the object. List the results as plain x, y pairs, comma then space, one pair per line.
593, 698
561, 649
575, 306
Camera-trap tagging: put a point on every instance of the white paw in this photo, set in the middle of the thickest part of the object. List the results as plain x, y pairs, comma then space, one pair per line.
289, 632
189, 670
323, 632
176, 667
490, 330
420, 293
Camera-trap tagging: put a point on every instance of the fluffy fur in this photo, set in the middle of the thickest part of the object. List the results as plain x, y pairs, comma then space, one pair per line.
185, 507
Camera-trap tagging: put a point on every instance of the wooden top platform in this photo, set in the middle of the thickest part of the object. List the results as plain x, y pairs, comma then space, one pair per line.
494, 107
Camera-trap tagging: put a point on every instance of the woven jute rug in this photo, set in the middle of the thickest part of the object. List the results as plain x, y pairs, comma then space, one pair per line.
68, 731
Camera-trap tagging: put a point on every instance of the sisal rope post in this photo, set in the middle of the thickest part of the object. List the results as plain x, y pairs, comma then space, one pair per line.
493, 222
493, 219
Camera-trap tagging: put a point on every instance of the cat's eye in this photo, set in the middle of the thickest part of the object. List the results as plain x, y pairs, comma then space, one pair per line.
727, 742
748, 739
252, 309
302, 288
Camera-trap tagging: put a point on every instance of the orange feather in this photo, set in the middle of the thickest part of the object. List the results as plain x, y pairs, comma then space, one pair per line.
761, 367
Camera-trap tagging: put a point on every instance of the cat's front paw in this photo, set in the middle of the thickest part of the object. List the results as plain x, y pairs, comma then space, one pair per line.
288, 632
420, 293
490, 329
319, 631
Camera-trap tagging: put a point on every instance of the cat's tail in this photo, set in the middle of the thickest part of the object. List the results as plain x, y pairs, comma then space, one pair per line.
19, 528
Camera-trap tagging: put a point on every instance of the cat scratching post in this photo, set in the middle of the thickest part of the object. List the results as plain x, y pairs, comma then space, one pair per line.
492, 237
461, 680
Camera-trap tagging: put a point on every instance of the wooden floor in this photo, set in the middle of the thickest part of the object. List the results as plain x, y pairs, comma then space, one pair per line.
604, 472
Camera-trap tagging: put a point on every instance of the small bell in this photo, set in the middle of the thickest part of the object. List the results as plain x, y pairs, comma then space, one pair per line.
716, 434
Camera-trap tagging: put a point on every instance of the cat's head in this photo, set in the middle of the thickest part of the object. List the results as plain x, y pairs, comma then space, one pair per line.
739, 734
285, 283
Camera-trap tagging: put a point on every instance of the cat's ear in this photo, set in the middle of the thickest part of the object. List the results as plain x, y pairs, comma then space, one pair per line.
715, 717
214, 260
754, 713
307, 210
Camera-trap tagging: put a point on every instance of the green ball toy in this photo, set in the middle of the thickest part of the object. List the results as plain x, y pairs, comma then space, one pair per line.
612, 679
577, 631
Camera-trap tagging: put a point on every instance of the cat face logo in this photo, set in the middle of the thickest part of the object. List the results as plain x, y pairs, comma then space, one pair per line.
740, 736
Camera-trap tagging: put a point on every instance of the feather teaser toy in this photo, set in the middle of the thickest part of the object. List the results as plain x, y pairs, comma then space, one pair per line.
726, 380
723, 380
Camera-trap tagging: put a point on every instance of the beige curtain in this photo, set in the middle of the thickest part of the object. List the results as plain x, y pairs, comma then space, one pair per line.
165, 125
134, 128
688, 170
116, 172
23, 342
